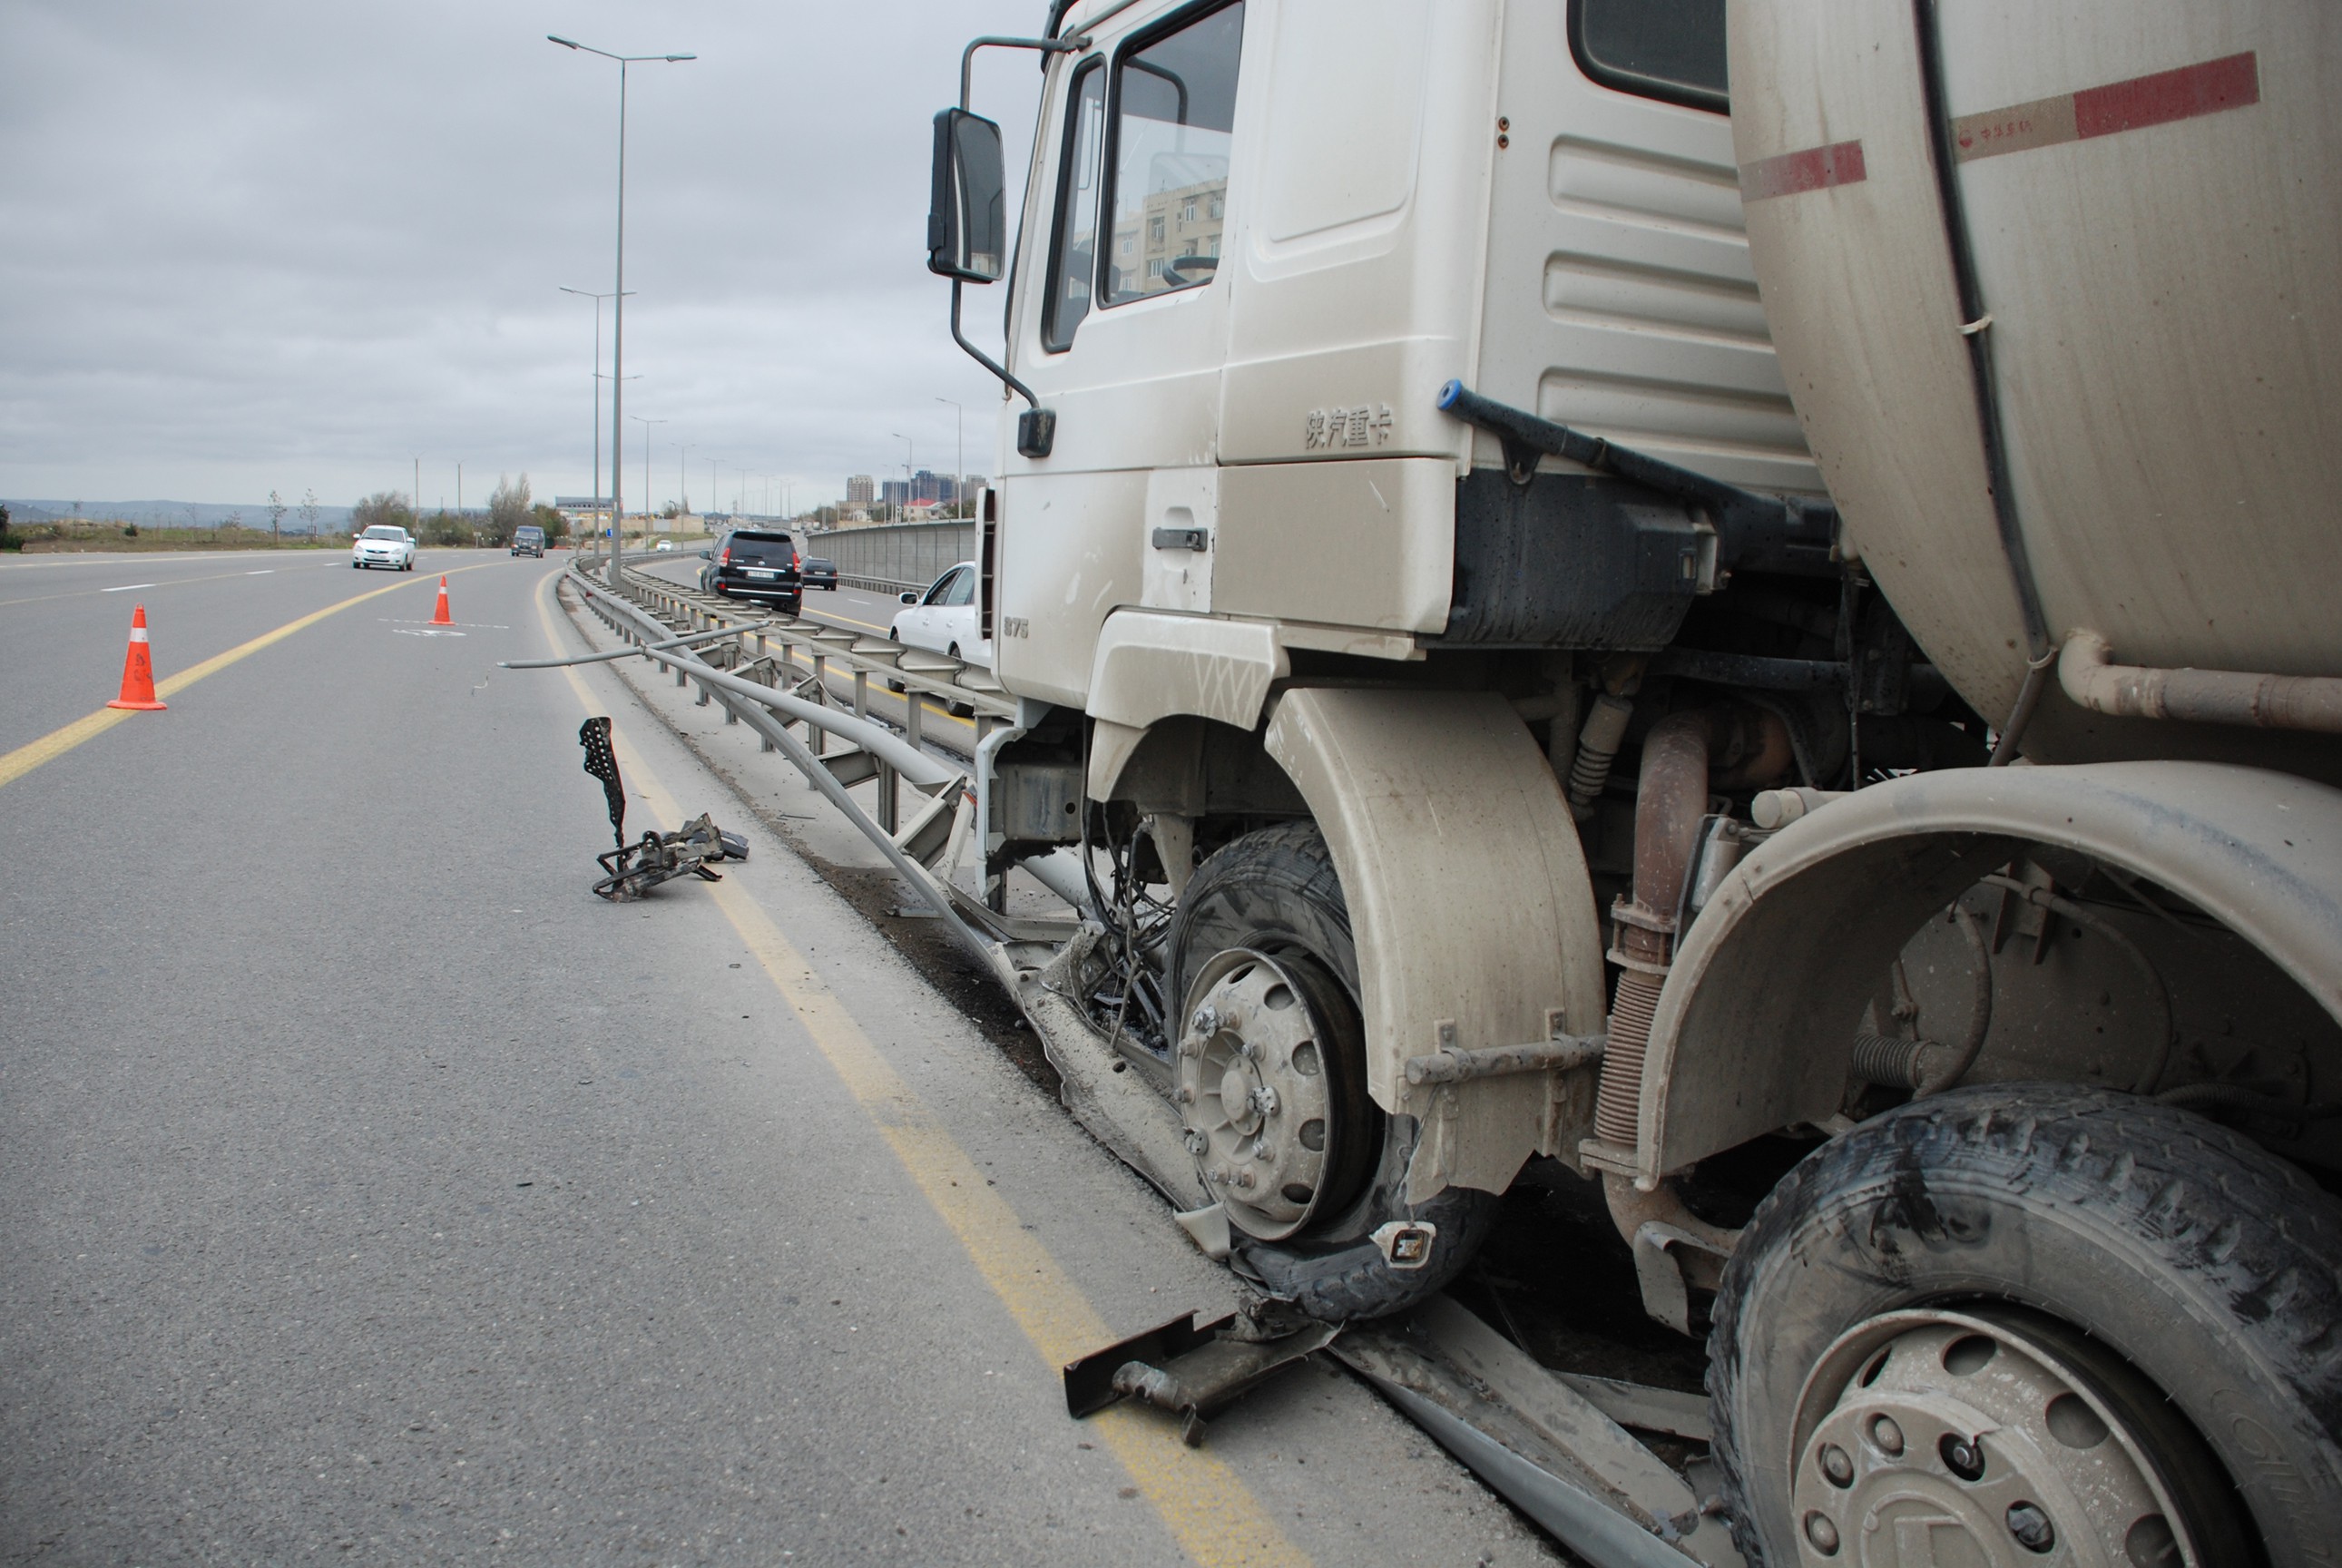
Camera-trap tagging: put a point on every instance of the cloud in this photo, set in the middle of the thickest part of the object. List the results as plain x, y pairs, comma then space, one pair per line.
279, 244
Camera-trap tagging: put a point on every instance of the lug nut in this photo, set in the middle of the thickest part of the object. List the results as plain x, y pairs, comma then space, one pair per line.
1264, 1100
1259, 1149
2031, 1527
1245, 1180
1822, 1533
1961, 1457
1204, 1021
1196, 1142
1836, 1467
1184, 1095
1888, 1436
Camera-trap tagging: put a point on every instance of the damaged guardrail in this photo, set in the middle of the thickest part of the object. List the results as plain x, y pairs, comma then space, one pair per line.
924, 849
1557, 1445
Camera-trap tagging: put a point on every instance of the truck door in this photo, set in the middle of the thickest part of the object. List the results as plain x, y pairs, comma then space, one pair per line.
1122, 329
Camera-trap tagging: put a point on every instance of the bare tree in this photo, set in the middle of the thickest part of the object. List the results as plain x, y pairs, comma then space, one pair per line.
276, 516
508, 507
309, 510
383, 508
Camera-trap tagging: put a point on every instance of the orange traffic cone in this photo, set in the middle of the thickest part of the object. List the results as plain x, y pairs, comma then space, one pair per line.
138, 669
439, 617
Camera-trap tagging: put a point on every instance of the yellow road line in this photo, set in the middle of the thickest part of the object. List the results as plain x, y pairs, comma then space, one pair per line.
1206, 1505
58, 741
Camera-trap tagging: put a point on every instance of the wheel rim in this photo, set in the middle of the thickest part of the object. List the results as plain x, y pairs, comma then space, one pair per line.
1988, 1437
1258, 1066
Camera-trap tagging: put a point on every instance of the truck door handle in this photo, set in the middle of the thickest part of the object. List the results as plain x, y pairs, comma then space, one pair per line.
1198, 539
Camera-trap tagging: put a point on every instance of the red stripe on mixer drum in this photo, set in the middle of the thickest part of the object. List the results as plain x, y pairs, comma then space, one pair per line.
2192, 91
1813, 169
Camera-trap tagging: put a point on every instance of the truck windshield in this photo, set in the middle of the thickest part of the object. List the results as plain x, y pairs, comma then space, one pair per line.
1175, 108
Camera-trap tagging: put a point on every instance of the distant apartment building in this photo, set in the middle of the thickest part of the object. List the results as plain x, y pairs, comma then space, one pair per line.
924, 489
859, 490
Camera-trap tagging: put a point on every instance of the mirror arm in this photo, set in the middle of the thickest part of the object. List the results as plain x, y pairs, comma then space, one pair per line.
983, 358
1046, 46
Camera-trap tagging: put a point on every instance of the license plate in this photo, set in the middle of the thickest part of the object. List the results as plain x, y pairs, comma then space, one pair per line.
754, 573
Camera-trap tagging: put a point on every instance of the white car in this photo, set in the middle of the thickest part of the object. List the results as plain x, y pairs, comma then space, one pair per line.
383, 546
943, 620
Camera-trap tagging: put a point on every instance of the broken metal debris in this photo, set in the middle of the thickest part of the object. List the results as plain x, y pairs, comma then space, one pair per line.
632, 870
1192, 1369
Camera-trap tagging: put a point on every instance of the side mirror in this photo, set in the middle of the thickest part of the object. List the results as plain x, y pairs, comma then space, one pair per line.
967, 209
706, 556
910, 598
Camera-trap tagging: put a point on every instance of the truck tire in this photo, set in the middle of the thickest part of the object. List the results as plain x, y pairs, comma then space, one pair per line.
1275, 892
2123, 1268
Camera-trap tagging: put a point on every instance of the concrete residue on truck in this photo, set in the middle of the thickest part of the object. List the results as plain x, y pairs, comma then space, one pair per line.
1565, 612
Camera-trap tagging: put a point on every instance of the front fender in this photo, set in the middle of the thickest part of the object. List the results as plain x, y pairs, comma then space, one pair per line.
1469, 902
1756, 1028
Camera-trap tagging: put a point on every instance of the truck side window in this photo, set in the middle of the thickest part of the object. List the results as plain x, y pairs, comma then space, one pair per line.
1175, 113
1074, 263
1669, 49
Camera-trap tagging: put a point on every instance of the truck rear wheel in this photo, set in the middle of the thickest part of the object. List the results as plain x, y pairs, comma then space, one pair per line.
1272, 1075
2046, 1322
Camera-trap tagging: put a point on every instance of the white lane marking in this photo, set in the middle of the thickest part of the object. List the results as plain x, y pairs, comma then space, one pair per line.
425, 631
474, 626
263, 572
126, 587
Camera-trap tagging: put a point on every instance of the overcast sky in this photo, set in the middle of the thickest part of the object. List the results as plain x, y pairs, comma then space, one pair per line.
293, 244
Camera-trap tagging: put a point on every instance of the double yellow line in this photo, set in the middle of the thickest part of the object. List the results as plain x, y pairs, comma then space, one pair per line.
58, 741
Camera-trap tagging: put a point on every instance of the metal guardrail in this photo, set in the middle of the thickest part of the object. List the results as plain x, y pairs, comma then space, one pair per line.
823, 648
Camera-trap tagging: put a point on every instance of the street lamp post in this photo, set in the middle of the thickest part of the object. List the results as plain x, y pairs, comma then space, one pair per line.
646, 424
959, 480
618, 327
598, 299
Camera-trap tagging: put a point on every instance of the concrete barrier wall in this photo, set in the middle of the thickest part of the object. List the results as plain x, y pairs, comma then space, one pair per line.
895, 555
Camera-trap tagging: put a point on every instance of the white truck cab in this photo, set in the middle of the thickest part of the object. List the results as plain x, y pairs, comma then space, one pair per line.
1481, 738
1258, 238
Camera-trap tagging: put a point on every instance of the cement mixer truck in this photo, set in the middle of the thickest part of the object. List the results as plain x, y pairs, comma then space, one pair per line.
1739, 601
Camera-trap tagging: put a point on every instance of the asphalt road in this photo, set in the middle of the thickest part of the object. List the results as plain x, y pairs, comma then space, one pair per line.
372, 1192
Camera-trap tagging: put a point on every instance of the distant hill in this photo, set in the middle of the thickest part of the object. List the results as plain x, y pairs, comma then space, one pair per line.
165, 514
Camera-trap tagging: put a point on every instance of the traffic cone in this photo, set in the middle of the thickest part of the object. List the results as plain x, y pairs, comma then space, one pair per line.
138, 669
439, 617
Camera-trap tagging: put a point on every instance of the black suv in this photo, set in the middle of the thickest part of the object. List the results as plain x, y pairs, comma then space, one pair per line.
528, 540
755, 564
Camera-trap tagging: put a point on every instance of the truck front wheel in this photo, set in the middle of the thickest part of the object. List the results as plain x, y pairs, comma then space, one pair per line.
1270, 1064
2051, 1323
